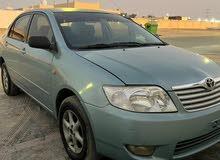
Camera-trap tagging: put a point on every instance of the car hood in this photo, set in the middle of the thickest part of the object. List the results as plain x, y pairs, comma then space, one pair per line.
165, 66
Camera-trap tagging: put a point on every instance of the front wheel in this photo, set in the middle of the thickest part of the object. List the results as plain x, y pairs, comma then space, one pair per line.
9, 87
75, 130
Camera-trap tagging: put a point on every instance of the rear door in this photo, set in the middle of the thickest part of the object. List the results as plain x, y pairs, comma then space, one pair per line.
14, 48
38, 62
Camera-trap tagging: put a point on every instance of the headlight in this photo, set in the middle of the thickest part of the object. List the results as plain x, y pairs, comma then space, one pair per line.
140, 99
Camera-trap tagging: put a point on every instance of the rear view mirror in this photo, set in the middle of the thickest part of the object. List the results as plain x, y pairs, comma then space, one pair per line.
39, 42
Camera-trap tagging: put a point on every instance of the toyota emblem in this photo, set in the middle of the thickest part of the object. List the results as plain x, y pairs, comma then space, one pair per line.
210, 83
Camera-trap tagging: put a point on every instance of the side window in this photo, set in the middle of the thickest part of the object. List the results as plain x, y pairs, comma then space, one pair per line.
19, 29
40, 26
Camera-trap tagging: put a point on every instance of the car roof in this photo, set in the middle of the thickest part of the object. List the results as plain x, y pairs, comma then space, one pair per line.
57, 10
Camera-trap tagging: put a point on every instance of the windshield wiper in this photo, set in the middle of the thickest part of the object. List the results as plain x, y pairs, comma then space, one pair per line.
136, 44
126, 44
111, 45
95, 46
119, 44
155, 44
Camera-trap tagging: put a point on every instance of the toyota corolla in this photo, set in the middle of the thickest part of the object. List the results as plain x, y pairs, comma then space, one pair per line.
116, 89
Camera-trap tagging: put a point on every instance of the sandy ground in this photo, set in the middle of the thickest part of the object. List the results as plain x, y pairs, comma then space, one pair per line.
187, 32
205, 42
28, 132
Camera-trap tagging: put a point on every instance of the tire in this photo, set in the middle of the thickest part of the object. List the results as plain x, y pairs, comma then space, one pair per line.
9, 87
77, 136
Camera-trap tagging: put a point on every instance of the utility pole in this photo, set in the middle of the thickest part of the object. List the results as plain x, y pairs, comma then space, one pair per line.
207, 13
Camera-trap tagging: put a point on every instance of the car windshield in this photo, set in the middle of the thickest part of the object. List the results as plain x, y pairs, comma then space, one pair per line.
84, 30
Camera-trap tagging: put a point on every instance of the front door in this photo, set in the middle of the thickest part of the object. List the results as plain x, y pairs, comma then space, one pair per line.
38, 62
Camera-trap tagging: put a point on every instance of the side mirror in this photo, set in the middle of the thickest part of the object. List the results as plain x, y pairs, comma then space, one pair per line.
39, 42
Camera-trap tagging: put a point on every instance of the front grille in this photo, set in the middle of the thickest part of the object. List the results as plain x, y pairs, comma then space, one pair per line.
188, 144
197, 97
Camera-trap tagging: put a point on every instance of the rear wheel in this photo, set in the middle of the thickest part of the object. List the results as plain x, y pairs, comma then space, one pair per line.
75, 130
9, 87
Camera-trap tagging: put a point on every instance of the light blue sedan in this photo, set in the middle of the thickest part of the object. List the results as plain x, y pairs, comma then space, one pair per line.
116, 89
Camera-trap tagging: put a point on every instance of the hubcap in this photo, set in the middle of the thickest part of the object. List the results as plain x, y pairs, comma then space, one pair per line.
5, 79
73, 132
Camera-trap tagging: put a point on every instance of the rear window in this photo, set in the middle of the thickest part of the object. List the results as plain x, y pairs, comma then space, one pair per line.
19, 29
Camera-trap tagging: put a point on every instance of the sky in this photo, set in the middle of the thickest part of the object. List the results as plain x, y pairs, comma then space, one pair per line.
189, 8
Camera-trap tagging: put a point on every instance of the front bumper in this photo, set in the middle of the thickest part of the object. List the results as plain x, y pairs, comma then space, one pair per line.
114, 128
